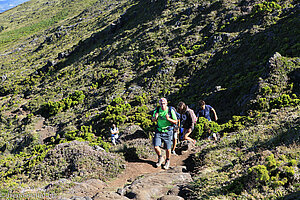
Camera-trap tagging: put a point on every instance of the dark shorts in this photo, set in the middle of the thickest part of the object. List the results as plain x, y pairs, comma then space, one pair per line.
192, 127
167, 137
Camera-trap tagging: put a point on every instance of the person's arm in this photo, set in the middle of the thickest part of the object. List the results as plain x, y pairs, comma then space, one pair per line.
155, 116
117, 131
174, 120
197, 113
215, 114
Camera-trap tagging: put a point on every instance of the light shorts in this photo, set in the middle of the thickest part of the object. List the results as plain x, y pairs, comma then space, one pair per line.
175, 135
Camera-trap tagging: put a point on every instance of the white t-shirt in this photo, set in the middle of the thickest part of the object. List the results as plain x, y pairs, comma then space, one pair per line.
114, 130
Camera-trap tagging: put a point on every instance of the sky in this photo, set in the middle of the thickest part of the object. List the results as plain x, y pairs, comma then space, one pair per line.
8, 4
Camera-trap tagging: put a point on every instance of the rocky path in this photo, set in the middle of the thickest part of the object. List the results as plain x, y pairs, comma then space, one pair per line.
142, 167
140, 180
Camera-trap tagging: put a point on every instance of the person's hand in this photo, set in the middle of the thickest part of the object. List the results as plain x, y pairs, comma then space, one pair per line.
156, 115
167, 116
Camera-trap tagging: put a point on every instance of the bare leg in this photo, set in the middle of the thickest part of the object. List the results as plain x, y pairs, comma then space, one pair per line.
186, 133
157, 150
168, 153
160, 158
174, 142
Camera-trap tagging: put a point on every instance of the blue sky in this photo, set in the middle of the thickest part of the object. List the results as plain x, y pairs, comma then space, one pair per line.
8, 4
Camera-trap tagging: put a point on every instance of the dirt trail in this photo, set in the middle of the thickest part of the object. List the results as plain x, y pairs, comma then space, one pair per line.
142, 167
99, 190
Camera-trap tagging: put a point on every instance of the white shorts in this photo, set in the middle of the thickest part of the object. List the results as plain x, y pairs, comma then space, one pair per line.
175, 135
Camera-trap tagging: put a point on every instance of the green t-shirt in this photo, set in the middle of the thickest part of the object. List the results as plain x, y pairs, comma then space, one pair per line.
162, 121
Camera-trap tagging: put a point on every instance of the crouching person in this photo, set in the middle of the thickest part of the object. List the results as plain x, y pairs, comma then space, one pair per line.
165, 117
114, 134
188, 122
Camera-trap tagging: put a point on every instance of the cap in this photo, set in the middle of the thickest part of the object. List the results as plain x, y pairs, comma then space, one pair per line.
163, 100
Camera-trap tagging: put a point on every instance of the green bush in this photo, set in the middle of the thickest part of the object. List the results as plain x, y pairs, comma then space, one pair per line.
52, 108
266, 90
121, 113
284, 100
84, 134
141, 100
266, 7
237, 123
273, 173
203, 128
260, 172
263, 104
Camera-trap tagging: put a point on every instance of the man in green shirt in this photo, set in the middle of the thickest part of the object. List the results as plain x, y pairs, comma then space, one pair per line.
164, 131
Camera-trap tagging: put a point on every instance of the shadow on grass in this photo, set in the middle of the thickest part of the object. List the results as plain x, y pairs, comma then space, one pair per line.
237, 66
293, 196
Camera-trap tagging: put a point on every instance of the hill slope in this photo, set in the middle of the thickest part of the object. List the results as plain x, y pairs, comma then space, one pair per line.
72, 68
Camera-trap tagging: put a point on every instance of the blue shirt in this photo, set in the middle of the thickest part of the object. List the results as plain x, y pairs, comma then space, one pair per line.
205, 112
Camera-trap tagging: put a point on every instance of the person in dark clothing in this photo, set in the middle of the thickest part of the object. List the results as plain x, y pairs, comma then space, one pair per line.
188, 120
204, 111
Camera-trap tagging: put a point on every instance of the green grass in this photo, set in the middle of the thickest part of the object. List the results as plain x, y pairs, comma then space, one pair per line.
23, 32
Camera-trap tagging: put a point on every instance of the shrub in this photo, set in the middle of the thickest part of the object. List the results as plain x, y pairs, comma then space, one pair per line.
263, 104
237, 123
284, 100
266, 90
265, 7
274, 172
52, 108
260, 172
204, 127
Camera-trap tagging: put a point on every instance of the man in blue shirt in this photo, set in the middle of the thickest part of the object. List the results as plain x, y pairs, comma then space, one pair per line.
204, 111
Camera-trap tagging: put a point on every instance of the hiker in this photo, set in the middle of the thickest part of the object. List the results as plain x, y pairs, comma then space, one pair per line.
188, 122
204, 111
176, 132
114, 134
165, 117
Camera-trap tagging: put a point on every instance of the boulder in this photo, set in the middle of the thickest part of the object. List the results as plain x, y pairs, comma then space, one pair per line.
109, 195
131, 133
157, 185
78, 159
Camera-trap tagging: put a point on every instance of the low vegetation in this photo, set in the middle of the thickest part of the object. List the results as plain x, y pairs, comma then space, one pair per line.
70, 69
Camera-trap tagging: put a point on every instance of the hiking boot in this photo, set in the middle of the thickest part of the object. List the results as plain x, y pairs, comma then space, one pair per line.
160, 161
167, 164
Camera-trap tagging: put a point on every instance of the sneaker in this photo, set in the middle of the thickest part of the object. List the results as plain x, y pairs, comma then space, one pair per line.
174, 153
167, 164
160, 161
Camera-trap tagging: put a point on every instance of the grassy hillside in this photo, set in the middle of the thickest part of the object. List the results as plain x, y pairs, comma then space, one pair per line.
72, 68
